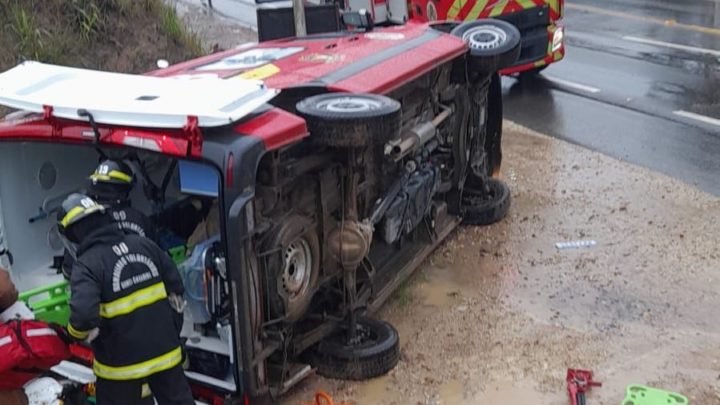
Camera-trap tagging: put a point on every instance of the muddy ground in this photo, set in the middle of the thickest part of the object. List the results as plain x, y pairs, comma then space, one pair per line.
498, 314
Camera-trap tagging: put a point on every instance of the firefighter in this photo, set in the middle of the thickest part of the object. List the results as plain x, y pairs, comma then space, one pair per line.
125, 298
110, 185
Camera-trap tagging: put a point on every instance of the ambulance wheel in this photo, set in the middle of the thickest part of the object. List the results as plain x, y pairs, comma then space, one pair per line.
494, 44
351, 120
292, 268
484, 204
265, 399
374, 352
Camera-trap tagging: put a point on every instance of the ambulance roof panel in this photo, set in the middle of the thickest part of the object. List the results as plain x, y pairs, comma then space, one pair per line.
130, 100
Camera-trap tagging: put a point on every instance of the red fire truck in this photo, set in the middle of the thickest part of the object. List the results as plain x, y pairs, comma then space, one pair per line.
539, 22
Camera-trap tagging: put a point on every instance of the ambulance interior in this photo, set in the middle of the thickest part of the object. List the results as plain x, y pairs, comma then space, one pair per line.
179, 196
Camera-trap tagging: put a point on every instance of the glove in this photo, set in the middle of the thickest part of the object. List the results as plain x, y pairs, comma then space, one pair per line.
177, 303
93, 335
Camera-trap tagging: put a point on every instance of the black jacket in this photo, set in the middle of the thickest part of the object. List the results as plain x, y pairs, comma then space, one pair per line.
129, 220
120, 284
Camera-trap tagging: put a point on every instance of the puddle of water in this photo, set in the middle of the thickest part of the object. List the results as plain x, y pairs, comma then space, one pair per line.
508, 393
439, 293
376, 391
452, 392
447, 287
503, 393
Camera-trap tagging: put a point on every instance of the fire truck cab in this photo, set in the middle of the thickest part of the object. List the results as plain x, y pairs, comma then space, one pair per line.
539, 22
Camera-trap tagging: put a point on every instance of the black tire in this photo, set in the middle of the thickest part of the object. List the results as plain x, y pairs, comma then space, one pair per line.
293, 244
376, 355
494, 44
351, 120
265, 399
484, 206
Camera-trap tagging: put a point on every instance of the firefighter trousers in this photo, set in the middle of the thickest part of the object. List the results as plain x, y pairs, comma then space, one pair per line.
169, 387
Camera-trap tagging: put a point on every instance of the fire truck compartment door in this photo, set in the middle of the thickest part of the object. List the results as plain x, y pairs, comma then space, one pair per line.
397, 11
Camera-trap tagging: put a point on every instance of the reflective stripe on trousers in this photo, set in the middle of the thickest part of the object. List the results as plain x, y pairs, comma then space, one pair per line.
139, 370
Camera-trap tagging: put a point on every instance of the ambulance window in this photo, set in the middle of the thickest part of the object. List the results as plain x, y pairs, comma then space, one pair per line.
198, 179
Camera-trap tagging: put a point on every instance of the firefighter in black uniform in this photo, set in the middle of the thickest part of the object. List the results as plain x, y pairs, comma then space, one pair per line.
125, 292
110, 185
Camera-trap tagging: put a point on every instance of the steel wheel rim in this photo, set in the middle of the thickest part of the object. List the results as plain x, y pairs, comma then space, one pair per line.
485, 37
349, 104
297, 268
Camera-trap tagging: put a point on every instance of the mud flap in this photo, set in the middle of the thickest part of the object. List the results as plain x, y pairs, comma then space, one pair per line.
493, 134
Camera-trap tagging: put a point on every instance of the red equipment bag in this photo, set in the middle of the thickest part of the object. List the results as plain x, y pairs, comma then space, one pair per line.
28, 348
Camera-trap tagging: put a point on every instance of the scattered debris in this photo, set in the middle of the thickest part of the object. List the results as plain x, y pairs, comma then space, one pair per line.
578, 383
642, 395
323, 398
576, 244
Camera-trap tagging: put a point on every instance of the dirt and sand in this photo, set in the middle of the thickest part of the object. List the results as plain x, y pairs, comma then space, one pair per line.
498, 314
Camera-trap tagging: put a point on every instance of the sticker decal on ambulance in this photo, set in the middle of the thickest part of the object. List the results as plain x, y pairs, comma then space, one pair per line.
385, 36
322, 58
251, 58
263, 72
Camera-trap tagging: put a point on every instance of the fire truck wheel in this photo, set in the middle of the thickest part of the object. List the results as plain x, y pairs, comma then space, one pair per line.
494, 44
351, 120
483, 205
292, 267
375, 351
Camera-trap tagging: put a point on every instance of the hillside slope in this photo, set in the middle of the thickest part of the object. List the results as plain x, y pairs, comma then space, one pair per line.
116, 35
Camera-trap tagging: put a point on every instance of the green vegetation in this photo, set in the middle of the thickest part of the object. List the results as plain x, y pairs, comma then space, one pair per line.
88, 19
118, 35
173, 28
171, 24
403, 295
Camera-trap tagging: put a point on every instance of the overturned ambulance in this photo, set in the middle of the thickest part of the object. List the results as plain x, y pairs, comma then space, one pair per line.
297, 183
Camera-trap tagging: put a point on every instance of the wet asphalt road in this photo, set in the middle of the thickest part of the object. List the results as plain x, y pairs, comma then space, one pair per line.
640, 82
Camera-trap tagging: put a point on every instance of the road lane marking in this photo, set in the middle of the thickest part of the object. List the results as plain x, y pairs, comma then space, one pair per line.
698, 117
653, 20
687, 48
574, 85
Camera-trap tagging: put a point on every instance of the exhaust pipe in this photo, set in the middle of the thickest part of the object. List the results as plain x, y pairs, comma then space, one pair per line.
417, 136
